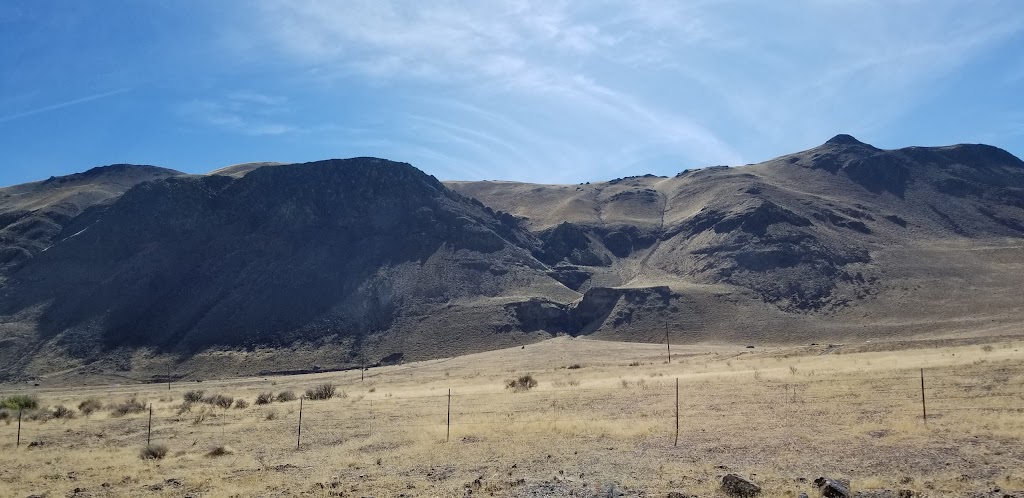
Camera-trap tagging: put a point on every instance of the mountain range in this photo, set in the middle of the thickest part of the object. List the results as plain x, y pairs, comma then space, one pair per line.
143, 272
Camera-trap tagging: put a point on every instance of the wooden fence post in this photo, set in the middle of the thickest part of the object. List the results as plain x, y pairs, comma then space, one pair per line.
18, 443
149, 428
677, 412
668, 344
298, 439
449, 434
924, 409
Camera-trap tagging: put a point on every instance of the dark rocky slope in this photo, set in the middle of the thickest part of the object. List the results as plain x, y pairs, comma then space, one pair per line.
339, 263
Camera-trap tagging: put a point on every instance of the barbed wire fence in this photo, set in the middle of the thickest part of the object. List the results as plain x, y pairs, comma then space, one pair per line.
669, 410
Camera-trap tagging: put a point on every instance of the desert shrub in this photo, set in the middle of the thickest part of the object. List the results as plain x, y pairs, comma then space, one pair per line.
271, 415
219, 400
20, 401
123, 408
575, 366
265, 398
322, 391
521, 384
38, 415
63, 412
241, 404
5, 415
183, 408
574, 383
220, 450
90, 405
987, 348
194, 396
635, 364
154, 452
284, 396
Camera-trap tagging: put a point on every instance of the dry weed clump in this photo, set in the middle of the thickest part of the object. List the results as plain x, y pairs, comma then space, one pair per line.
89, 406
63, 412
194, 396
154, 452
220, 450
285, 396
241, 404
131, 405
522, 384
219, 400
322, 391
265, 398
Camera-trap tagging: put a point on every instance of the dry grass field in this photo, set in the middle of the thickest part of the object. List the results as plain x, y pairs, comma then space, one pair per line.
600, 422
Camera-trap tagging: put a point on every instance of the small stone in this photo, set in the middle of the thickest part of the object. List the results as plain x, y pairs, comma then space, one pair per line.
680, 494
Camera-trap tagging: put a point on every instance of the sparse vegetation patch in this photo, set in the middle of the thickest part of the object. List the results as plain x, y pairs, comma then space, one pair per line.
20, 402
89, 406
322, 391
521, 384
154, 452
129, 406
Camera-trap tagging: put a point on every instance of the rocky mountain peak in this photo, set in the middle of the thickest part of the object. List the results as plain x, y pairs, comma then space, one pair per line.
844, 139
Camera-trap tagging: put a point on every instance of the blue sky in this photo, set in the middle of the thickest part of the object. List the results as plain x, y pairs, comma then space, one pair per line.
543, 91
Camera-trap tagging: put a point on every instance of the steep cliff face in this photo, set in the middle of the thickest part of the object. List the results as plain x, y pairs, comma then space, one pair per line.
280, 255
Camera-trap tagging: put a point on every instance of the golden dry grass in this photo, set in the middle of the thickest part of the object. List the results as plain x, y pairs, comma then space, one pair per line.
778, 414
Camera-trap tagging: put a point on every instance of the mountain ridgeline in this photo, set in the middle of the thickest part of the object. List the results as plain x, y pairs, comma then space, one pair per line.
340, 263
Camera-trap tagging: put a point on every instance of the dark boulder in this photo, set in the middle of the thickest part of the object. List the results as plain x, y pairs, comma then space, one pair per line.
831, 488
734, 485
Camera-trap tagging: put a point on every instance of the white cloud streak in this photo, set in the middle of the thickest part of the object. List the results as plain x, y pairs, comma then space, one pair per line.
62, 105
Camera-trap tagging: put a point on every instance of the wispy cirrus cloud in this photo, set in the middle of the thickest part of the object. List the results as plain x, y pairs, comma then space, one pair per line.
603, 83
61, 105
247, 113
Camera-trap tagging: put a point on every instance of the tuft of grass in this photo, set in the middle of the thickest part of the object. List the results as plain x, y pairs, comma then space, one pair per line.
241, 404
322, 391
154, 452
522, 384
131, 405
220, 450
194, 396
285, 396
219, 400
63, 412
20, 402
987, 348
89, 406
265, 398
